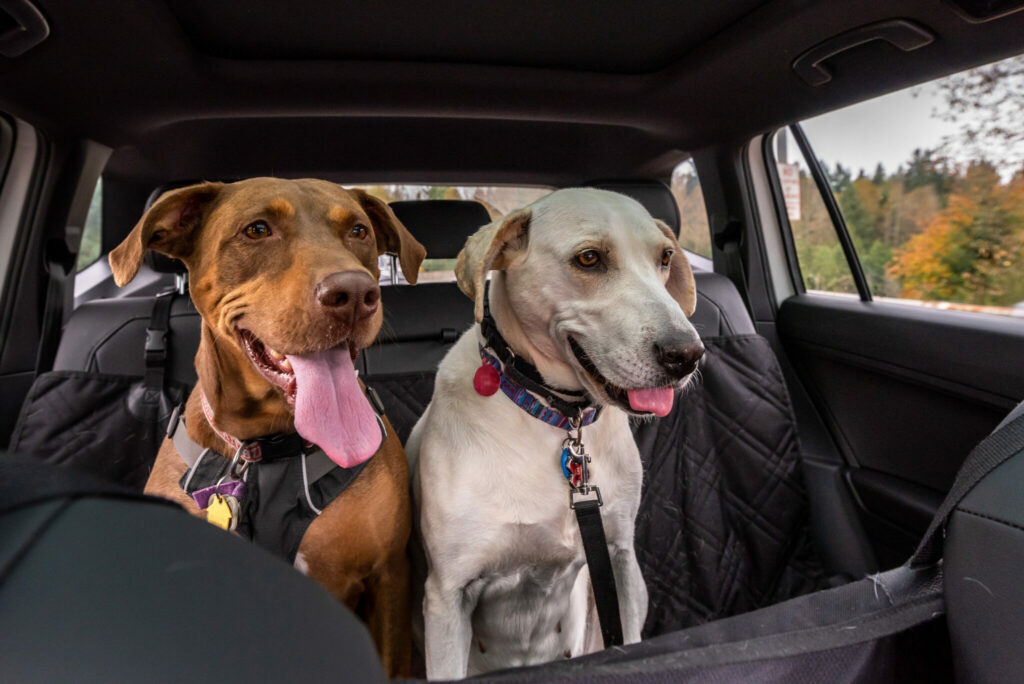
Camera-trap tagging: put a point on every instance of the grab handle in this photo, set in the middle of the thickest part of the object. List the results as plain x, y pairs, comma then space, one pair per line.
904, 34
22, 26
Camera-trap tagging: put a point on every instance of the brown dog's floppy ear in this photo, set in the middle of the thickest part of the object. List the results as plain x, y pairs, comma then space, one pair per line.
680, 278
391, 235
168, 227
489, 249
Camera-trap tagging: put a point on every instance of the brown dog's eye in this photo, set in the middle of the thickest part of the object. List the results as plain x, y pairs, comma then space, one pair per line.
588, 259
359, 231
257, 230
666, 258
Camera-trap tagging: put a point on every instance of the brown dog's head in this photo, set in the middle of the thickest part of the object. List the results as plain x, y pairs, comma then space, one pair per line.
284, 274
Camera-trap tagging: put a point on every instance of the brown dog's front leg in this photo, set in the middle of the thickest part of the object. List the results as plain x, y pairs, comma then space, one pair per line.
387, 615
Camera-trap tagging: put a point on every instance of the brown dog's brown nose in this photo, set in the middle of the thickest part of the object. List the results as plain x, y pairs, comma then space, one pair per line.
352, 295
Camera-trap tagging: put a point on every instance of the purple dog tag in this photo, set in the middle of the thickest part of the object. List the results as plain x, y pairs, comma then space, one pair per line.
235, 488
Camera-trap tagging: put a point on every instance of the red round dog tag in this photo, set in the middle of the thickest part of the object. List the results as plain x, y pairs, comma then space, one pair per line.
486, 380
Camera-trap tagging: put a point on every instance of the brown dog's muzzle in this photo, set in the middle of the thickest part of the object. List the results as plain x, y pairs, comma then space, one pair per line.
349, 296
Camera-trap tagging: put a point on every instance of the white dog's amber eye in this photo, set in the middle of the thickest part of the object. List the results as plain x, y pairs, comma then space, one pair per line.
666, 257
257, 230
588, 259
359, 231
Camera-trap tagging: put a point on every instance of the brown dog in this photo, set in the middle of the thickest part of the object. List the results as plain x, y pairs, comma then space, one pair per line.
284, 274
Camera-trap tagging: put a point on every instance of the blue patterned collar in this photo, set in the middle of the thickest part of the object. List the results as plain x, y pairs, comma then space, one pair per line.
526, 400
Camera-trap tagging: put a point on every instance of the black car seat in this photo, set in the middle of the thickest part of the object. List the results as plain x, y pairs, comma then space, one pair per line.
984, 559
100, 584
106, 335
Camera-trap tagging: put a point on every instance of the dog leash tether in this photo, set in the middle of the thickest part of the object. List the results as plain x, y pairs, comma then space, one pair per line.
575, 467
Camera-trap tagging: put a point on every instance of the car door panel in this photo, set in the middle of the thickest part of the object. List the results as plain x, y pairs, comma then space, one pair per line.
907, 392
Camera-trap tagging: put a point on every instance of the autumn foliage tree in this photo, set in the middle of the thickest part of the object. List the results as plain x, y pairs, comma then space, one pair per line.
973, 250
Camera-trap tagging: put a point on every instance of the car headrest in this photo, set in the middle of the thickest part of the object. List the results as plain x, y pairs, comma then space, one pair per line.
164, 264
653, 194
441, 226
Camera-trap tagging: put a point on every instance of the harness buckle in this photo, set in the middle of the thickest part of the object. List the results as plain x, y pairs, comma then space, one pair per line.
156, 344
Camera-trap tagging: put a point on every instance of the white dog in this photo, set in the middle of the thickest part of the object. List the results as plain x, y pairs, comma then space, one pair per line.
595, 294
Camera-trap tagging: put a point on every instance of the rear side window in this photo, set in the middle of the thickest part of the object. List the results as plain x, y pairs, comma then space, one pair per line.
92, 233
823, 263
694, 231
930, 185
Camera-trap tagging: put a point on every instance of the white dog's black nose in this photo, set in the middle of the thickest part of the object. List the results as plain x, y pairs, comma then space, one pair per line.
677, 357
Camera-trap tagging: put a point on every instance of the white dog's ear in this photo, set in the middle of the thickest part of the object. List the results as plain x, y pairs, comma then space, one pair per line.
490, 248
680, 278
169, 227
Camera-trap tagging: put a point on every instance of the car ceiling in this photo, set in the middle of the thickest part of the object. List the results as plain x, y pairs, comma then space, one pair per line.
530, 91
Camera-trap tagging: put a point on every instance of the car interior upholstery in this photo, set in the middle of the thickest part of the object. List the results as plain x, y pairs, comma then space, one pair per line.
785, 491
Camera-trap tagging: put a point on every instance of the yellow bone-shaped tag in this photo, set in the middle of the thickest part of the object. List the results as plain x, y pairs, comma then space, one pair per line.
221, 513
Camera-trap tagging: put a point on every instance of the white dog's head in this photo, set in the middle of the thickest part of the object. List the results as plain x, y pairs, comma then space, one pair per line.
594, 292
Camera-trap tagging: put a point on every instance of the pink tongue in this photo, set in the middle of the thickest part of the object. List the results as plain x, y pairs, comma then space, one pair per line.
330, 409
658, 400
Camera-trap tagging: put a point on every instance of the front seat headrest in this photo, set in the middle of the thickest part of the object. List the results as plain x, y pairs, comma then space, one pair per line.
441, 226
653, 194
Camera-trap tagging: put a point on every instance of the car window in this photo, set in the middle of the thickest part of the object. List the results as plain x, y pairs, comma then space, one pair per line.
497, 199
694, 231
930, 184
823, 264
91, 247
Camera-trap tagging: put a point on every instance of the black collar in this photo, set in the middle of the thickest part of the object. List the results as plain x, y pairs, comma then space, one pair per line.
570, 403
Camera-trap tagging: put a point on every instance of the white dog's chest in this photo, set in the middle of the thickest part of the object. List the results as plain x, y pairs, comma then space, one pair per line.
525, 611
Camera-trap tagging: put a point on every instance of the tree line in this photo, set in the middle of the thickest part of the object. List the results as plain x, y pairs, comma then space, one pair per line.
929, 230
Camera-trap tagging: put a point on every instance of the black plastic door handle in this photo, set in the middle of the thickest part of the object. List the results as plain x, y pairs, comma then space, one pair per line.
904, 34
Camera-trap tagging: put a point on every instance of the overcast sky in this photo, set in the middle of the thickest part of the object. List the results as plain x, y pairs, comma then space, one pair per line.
886, 129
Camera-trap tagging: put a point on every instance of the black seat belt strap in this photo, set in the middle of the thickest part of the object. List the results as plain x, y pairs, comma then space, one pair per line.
992, 452
59, 264
728, 240
157, 344
599, 562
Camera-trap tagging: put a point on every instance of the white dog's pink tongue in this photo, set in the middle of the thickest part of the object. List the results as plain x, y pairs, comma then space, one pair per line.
330, 408
657, 401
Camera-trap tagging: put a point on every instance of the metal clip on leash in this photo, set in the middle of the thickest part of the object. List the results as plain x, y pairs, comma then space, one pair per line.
577, 465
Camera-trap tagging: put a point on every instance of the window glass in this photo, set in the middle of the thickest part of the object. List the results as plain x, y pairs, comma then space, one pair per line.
823, 263
498, 200
694, 231
92, 232
930, 182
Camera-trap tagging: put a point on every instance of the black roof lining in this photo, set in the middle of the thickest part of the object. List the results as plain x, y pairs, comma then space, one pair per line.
611, 36
127, 73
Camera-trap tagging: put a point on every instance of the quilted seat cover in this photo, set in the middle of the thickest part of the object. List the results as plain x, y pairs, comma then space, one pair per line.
723, 526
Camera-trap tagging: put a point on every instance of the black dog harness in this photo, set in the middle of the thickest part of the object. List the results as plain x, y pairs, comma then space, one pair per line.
569, 410
271, 499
